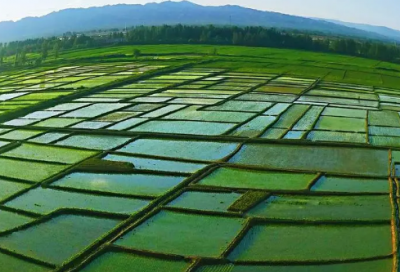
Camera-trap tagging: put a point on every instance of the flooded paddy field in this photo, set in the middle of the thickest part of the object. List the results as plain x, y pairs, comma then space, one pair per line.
141, 167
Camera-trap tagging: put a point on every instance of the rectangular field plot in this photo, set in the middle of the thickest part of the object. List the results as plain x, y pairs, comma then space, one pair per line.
195, 101
187, 91
384, 118
58, 122
194, 114
116, 116
94, 142
158, 164
68, 107
385, 141
313, 243
39, 97
48, 154
183, 234
356, 161
10, 263
351, 95
274, 133
384, 131
91, 125
20, 122
163, 111
119, 261
125, 184
190, 150
280, 89
341, 112
261, 180
192, 96
151, 99
244, 106
341, 124
206, 201
372, 266
351, 185
184, 127
10, 220
254, 127
340, 101
295, 135
123, 125
9, 188
20, 134
59, 239
277, 109
32, 171
95, 110
291, 116
45, 201
254, 96
40, 115
48, 138
334, 136
309, 118
144, 107
324, 208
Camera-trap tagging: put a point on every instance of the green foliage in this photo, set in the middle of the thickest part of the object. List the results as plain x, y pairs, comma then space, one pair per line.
213, 35
22, 58
45, 50
38, 61
329, 67
2, 54
214, 52
56, 49
136, 53
248, 201
102, 166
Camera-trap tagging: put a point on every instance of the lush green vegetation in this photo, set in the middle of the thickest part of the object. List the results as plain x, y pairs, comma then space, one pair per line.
330, 67
39, 49
164, 157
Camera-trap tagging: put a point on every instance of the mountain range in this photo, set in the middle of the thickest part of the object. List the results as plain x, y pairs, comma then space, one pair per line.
119, 16
382, 30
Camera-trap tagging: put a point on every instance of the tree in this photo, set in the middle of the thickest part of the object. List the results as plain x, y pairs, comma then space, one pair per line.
178, 34
45, 50
22, 57
38, 61
136, 53
237, 38
56, 49
205, 36
16, 59
214, 52
2, 53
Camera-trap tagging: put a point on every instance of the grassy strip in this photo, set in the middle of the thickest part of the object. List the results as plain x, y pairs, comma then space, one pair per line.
395, 222
96, 165
248, 201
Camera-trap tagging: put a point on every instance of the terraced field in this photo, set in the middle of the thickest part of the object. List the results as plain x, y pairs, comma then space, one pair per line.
196, 169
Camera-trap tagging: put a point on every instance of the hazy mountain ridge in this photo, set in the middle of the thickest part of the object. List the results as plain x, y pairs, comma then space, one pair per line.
118, 16
381, 30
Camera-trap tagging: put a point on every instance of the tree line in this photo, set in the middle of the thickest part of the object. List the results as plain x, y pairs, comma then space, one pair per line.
184, 34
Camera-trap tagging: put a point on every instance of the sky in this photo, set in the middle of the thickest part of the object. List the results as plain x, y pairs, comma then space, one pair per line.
375, 12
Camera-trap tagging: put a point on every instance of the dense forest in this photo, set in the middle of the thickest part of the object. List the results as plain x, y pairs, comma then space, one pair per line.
182, 34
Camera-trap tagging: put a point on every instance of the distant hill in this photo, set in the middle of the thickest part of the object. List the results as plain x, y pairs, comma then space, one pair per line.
381, 30
184, 12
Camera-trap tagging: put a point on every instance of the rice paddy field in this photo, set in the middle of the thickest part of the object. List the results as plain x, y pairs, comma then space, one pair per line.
198, 166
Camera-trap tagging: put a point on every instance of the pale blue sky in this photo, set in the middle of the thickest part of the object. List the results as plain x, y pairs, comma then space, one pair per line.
376, 12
